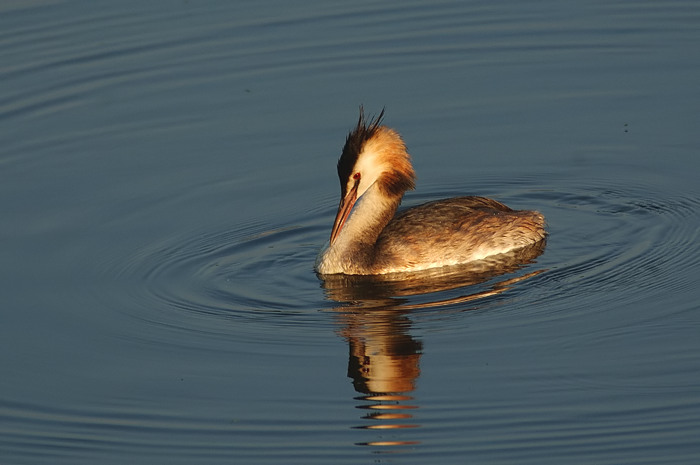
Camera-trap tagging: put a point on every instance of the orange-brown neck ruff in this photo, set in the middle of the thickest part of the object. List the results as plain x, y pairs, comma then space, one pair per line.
397, 175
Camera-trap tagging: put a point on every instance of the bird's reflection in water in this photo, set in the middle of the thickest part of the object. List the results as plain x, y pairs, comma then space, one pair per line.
384, 358
384, 366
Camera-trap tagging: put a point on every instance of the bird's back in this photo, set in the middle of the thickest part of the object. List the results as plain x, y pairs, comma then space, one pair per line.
452, 231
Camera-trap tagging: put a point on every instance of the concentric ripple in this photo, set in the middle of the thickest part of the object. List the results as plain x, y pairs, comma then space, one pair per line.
254, 280
247, 280
621, 242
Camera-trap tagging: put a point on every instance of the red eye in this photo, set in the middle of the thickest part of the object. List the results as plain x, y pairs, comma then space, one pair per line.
356, 176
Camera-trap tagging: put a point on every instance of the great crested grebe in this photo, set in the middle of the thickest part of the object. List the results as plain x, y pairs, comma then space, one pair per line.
369, 239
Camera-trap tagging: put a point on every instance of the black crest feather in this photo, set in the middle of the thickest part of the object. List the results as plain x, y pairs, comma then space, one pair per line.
355, 141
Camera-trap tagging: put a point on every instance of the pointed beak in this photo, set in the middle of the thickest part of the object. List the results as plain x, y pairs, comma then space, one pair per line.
344, 209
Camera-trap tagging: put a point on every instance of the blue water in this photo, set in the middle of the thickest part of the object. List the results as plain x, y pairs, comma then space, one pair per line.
167, 177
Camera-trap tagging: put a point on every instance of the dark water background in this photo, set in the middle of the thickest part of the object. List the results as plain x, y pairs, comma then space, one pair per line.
167, 176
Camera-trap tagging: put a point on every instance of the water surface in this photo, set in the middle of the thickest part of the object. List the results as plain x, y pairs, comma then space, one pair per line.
167, 177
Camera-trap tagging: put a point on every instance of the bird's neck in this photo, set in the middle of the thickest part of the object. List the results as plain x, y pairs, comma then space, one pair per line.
354, 246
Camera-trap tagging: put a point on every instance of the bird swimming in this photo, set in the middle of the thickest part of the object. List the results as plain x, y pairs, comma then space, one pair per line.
369, 238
